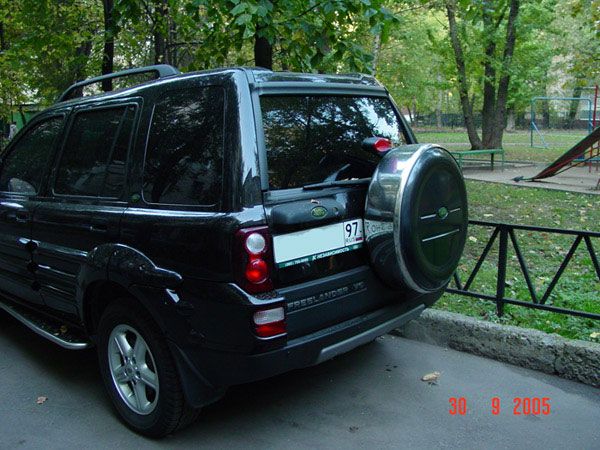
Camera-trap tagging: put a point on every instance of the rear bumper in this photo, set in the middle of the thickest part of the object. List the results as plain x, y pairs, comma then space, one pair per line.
221, 369
367, 336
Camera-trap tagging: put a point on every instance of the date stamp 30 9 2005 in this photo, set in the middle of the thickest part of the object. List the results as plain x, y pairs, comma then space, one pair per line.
521, 406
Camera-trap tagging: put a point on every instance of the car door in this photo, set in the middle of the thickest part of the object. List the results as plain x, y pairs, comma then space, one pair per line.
24, 166
84, 203
23, 169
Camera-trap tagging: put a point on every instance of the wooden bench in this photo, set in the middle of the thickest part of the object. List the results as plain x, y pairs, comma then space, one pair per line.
459, 155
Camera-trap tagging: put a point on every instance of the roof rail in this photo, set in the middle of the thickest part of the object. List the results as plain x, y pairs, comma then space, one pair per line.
161, 70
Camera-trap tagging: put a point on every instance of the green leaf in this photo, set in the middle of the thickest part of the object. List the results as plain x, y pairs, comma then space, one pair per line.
262, 11
248, 32
239, 9
243, 19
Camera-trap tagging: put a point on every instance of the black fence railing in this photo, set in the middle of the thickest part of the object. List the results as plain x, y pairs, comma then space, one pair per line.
505, 233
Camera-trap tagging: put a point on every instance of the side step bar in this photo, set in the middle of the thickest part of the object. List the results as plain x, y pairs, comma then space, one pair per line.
44, 328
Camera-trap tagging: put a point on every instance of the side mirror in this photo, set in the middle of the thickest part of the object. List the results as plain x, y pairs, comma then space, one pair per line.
377, 145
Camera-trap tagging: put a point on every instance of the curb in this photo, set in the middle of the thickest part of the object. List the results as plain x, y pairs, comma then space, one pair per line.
533, 349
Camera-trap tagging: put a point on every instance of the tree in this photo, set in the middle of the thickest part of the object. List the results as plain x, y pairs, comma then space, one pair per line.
37, 64
410, 64
108, 54
577, 40
297, 34
497, 62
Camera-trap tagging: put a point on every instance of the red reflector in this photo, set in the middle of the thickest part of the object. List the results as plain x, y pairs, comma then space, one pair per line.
382, 145
257, 271
270, 329
269, 322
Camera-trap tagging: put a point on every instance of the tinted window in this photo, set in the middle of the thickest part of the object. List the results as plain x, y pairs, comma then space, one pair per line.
185, 148
317, 138
28, 160
93, 159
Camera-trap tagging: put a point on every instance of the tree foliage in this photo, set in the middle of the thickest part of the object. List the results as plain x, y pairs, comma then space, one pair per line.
45, 45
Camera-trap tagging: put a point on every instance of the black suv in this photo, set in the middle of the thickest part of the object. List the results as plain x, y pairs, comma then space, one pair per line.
214, 228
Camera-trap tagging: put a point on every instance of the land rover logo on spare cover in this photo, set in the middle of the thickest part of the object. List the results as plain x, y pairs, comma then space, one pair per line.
442, 213
319, 211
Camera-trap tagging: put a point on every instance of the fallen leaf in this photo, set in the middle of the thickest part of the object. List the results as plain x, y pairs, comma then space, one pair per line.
41, 399
431, 378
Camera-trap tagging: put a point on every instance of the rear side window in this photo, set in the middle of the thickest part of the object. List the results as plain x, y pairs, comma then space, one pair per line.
95, 152
310, 139
28, 160
184, 157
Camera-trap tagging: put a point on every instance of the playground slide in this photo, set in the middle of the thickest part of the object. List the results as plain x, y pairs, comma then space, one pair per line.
573, 153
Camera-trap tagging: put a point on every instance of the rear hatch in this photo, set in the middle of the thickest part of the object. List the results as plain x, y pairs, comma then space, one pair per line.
318, 175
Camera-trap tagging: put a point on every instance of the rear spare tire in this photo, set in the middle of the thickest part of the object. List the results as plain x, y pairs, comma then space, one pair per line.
416, 218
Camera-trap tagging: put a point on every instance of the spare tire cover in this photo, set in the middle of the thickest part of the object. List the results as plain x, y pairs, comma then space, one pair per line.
416, 218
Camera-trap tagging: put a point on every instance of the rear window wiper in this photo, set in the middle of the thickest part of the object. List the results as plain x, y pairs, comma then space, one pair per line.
337, 183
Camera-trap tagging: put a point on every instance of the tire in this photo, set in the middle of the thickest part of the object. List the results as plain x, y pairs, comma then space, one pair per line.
139, 372
416, 218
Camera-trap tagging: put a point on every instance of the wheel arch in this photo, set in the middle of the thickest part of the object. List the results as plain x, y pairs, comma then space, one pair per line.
114, 271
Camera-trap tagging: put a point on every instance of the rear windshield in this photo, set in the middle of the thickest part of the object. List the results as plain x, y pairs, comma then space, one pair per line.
310, 139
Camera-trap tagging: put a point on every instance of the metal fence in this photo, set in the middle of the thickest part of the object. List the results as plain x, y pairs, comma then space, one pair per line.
505, 233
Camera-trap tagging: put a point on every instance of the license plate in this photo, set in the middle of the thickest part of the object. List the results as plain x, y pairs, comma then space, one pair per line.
353, 231
317, 243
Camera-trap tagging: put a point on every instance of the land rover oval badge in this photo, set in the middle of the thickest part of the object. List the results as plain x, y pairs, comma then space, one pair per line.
442, 212
319, 212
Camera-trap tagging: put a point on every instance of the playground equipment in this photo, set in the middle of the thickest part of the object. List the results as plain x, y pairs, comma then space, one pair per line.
565, 161
560, 117
577, 154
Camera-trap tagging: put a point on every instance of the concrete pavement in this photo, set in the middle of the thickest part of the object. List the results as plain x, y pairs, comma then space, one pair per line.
576, 179
370, 398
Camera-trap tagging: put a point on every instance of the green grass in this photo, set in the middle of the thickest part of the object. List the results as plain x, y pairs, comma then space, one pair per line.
578, 287
516, 144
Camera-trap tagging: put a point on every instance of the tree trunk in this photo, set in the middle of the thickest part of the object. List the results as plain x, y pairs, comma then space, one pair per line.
263, 53
82, 55
510, 120
159, 48
544, 121
489, 80
160, 31
172, 50
502, 96
3, 44
574, 105
438, 106
108, 54
376, 50
463, 86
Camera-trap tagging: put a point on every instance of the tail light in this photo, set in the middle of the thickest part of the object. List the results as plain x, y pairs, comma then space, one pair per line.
377, 145
254, 259
269, 322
